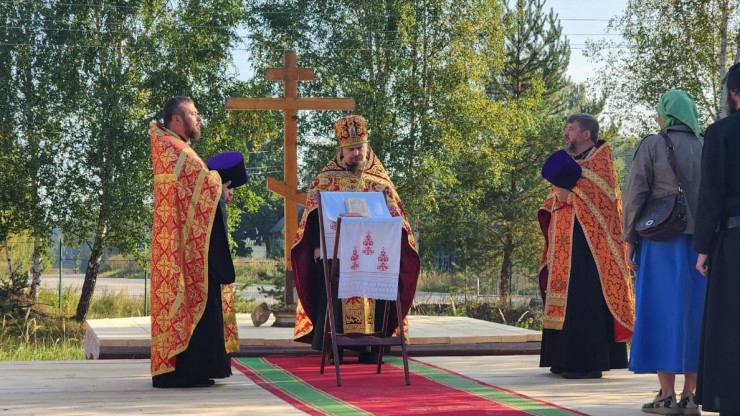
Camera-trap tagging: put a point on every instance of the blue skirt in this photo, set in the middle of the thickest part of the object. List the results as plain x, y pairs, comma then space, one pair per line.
669, 304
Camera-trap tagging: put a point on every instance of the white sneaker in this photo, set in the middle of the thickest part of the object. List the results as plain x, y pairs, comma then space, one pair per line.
663, 406
688, 406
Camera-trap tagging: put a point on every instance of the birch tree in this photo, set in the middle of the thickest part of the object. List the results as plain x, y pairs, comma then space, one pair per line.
30, 126
684, 44
118, 62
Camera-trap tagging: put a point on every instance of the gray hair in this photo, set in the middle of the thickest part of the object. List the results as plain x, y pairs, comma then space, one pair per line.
587, 122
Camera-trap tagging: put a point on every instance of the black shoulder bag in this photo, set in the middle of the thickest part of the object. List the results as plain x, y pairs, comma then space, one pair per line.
665, 217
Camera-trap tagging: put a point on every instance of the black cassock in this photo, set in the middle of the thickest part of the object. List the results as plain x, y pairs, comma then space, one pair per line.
718, 380
586, 342
206, 358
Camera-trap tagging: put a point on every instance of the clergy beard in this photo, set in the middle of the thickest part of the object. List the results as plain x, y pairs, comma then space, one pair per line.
356, 167
733, 106
191, 130
570, 147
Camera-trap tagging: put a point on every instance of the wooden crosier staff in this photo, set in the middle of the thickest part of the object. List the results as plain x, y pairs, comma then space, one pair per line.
290, 74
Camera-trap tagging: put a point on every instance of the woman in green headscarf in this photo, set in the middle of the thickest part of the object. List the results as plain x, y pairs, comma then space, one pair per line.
677, 107
669, 291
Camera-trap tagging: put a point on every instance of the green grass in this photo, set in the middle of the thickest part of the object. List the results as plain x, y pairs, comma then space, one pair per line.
104, 304
116, 305
41, 351
49, 301
42, 332
38, 335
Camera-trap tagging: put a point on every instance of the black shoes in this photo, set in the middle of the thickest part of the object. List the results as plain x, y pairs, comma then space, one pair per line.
177, 385
580, 374
575, 374
368, 357
203, 383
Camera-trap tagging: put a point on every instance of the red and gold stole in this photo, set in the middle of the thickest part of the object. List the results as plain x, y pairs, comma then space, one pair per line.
596, 204
186, 196
335, 177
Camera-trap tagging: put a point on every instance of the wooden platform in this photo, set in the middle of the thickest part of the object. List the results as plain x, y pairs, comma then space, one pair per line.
124, 387
428, 335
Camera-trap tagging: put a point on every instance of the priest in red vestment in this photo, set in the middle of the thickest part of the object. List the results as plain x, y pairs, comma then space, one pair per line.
585, 283
354, 168
192, 304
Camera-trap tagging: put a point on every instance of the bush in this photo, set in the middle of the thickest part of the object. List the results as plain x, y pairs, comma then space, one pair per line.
14, 285
276, 278
243, 304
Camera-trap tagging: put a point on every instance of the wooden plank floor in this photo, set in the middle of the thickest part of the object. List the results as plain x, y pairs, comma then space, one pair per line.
123, 387
471, 347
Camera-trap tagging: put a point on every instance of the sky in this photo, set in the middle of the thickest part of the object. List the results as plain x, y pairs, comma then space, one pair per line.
581, 20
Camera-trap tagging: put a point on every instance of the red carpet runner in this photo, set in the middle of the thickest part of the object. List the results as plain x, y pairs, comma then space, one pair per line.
433, 391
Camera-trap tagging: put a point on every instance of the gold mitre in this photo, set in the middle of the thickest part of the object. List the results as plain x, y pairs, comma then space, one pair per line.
351, 130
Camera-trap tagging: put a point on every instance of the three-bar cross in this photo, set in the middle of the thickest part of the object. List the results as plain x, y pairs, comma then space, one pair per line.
289, 105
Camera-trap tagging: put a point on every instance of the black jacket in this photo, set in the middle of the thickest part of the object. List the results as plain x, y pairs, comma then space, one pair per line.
719, 194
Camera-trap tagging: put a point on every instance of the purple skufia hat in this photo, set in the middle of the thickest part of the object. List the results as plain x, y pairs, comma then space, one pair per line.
230, 165
561, 170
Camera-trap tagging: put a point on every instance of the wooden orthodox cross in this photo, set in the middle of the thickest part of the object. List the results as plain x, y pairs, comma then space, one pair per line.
289, 105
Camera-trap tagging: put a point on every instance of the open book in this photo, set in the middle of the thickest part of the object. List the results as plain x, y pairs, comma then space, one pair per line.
357, 206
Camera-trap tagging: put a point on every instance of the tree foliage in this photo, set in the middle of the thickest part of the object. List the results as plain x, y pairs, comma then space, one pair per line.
98, 73
684, 44
29, 128
465, 99
415, 70
522, 121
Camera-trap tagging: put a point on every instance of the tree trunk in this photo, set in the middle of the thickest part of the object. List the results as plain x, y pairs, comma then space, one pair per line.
91, 275
10, 264
36, 268
505, 273
724, 109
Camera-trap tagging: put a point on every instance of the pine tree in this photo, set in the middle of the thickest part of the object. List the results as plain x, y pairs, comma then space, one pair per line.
536, 58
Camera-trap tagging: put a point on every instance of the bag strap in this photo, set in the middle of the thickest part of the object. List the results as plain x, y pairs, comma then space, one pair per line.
672, 159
